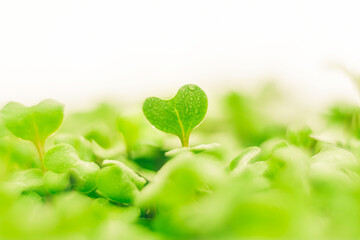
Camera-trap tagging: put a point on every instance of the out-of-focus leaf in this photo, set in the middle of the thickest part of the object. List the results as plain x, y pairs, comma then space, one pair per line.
118, 182
63, 158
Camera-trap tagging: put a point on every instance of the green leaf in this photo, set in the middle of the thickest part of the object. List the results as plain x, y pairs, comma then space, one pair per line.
118, 182
56, 182
244, 158
130, 132
300, 136
63, 158
35, 123
81, 144
182, 180
26, 180
180, 114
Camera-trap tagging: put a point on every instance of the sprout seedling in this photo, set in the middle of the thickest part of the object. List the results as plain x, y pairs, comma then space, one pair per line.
35, 123
180, 114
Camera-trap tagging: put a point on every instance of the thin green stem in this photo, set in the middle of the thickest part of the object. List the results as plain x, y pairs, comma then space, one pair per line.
128, 151
39, 146
41, 150
184, 139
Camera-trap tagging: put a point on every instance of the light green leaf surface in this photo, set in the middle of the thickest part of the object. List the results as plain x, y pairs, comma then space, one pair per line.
180, 114
63, 158
244, 158
26, 180
34, 123
56, 182
130, 131
118, 182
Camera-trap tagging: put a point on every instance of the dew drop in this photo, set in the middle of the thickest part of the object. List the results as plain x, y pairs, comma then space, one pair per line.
196, 111
192, 87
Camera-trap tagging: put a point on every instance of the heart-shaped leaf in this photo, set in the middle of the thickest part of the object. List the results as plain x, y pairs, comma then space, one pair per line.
35, 123
180, 114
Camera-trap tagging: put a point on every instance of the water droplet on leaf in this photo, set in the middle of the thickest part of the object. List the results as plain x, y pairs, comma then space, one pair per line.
192, 87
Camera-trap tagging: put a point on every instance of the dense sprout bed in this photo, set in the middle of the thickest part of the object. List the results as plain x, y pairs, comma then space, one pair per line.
108, 174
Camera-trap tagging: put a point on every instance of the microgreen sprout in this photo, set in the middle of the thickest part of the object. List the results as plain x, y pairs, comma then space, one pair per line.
35, 123
180, 114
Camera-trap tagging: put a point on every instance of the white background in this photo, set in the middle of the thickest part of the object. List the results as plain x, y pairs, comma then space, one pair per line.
78, 51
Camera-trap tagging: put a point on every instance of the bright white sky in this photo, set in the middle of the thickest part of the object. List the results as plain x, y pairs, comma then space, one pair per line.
80, 50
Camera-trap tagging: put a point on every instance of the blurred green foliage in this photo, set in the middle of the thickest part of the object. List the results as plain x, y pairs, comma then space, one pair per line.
110, 175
